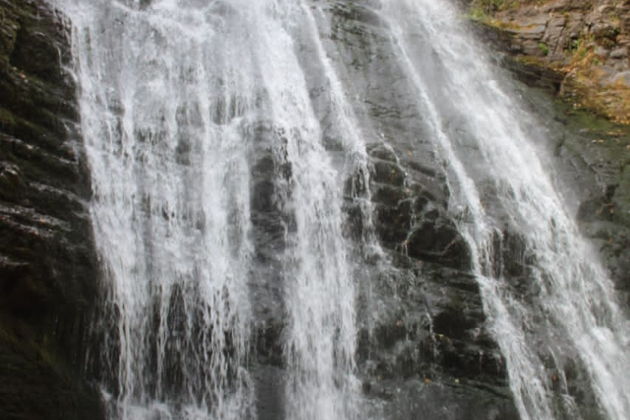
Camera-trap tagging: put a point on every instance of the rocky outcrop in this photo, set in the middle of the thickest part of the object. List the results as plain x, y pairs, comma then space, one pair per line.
47, 259
422, 341
586, 42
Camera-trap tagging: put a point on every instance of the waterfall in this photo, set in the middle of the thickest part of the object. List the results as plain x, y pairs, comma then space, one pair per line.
568, 315
170, 177
174, 98
223, 140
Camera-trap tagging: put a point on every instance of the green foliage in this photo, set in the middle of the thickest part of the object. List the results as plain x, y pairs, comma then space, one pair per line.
478, 14
544, 48
575, 45
482, 9
488, 6
580, 47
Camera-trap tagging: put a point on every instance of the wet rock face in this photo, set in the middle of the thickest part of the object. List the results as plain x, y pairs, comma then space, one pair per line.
47, 258
591, 153
422, 337
426, 330
599, 150
423, 346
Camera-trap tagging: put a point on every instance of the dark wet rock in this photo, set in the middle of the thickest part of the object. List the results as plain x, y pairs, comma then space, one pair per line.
422, 328
388, 173
435, 242
591, 158
36, 385
48, 274
433, 399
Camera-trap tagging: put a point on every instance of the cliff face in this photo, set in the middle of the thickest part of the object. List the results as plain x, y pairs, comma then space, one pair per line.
459, 363
586, 42
423, 346
578, 52
47, 260
48, 268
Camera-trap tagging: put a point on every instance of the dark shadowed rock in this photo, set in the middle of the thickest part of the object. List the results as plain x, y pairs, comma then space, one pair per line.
48, 274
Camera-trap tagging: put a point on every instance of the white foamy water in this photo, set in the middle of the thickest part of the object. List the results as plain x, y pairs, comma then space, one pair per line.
170, 91
570, 316
173, 97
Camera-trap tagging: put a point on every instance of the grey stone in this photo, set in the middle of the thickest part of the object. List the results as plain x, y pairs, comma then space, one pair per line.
601, 51
621, 52
623, 77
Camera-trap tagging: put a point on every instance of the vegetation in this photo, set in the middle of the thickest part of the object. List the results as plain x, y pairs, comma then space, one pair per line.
582, 86
544, 48
483, 8
584, 63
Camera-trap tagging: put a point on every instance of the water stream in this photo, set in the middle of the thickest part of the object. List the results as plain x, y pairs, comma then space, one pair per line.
183, 101
568, 314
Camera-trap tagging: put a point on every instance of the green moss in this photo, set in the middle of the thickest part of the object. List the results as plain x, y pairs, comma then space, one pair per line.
529, 60
484, 9
477, 14
608, 139
488, 6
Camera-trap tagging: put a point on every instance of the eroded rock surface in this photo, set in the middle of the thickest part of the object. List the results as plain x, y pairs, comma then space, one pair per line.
47, 259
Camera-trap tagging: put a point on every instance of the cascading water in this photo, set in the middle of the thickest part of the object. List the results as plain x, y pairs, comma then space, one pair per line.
174, 94
171, 206
569, 314
184, 101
